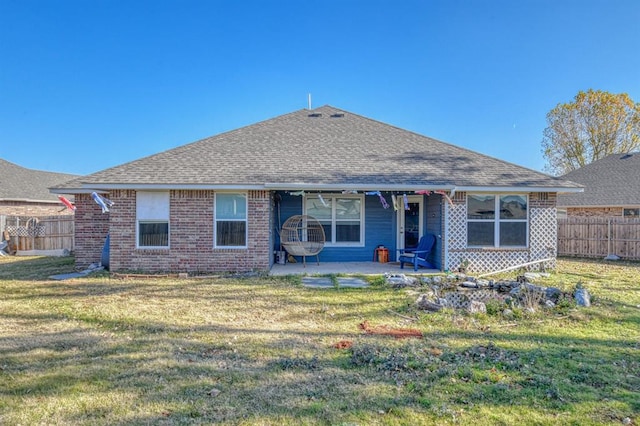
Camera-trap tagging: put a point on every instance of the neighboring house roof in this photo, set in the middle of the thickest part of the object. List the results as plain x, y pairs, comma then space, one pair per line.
325, 148
21, 184
611, 181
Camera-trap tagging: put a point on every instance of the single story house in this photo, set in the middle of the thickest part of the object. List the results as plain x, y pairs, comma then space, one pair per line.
611, 188
25, 192
218, 204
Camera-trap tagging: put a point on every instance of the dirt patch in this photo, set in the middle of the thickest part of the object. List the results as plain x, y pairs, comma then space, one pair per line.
343, 344
398, 333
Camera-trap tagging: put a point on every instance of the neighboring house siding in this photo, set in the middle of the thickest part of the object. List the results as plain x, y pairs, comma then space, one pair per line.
190, 236
25, 208
594, 211
542, 237
91, 228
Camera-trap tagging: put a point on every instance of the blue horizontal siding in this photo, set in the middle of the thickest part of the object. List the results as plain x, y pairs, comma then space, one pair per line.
380, 228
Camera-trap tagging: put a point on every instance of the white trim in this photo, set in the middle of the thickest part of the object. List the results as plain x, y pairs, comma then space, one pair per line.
246, 221
354, 187
497, 221
144, 216
87, 188
445, 238
167, 186
334, 221
516, 189
401, 223
147, 221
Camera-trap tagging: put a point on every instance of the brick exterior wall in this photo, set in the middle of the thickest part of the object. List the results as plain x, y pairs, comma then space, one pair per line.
542, 237
30, 209
594, 211
91, 228
191, 219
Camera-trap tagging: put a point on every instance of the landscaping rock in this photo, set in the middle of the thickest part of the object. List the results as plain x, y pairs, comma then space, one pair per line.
400, 280
553, 294
582, 297
469, 284
542, 293
484, 283
214, 392
426, 302
476, 307
443, 302
506, 286
507, 313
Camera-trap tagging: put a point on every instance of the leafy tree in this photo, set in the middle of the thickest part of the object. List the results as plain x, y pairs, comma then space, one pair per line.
594, 125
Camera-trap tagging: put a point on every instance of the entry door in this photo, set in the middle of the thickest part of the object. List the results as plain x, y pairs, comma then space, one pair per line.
410, 222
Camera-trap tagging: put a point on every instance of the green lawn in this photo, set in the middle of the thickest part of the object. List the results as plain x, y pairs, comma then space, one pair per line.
107, 351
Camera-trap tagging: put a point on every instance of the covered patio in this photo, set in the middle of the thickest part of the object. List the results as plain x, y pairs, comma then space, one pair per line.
346, 268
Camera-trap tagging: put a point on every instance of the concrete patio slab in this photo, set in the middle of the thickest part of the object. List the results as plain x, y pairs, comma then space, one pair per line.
326, 282
345, 268
317, 282
352, 283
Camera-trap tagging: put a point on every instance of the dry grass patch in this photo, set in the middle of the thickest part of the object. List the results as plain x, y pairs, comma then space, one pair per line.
99, 350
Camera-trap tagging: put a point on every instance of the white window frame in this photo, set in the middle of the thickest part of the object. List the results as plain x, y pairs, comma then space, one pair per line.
335, 221
153, 207
497, 221
245, 195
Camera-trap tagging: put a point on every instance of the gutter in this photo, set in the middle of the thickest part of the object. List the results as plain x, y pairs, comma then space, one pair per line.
284, 186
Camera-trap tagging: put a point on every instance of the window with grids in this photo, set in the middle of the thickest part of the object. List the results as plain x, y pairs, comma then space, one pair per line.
340, 216
230, 226
152, 217
497, 220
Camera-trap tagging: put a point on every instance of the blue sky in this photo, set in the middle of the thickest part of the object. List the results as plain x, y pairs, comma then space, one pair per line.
90, 84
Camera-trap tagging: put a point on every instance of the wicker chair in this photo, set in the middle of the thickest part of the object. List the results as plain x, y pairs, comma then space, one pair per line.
302, 235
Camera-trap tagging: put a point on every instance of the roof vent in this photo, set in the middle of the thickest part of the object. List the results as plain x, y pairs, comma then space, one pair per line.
337, 115
315, 114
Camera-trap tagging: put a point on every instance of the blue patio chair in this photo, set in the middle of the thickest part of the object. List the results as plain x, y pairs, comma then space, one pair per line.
418, 256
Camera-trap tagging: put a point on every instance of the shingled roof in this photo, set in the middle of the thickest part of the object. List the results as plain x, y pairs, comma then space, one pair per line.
21, 184
611, 181
324, 148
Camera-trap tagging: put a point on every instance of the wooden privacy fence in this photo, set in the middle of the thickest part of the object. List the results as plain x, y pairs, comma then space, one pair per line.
599, 237
39, 233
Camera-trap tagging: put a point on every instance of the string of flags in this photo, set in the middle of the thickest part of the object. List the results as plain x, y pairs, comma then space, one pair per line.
384, 203
397, 202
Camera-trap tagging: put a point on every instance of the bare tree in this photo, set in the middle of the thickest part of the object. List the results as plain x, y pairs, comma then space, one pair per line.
594, 125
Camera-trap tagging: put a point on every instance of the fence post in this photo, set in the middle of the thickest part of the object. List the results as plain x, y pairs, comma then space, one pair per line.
608, 236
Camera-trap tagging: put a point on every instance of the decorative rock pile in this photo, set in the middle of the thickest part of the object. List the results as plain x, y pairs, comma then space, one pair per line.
463, 292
